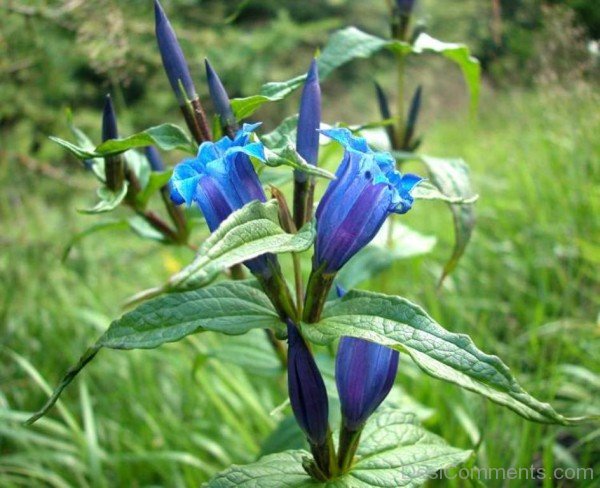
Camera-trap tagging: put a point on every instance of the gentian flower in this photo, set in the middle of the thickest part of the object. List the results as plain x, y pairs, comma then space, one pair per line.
366, 190
364, 375
172, 57
220, 98
308, 395
220, 180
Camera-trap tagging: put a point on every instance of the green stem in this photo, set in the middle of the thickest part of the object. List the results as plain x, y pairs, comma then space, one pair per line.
325, 458
319, 284
275, 287
348, 444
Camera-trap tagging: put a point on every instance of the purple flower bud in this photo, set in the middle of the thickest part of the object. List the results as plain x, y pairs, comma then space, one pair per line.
219, 96
405, 6
309, 119
172, 57
366, 190
109, 121
306, 388
154, 159
364, 375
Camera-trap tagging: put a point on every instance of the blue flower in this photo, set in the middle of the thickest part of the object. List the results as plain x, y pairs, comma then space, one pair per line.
220, 180
366, 190
364, 375
307, 392
309, 119
172, 57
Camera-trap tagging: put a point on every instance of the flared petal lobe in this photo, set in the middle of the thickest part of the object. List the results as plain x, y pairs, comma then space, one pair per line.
221, 180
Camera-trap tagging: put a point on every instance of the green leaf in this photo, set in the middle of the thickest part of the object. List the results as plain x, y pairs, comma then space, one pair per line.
343, 46
460, 54
108, 200
156, 180
139, 166
428, 191
351, 43
245, 234
140, 226
402, 325
451, 178
290, 157
394, 451
282, 135
93, 229
97, 164
165, 136
229, 307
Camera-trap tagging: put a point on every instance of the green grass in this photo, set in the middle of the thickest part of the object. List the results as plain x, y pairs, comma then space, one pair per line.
528, 289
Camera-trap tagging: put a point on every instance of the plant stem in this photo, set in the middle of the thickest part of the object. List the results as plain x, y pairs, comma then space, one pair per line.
348, 444
196, 120
325, 458
299, 285
319, 284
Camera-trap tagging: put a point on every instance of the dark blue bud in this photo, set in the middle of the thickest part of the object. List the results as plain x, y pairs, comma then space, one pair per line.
308, 395
109, 121
366, 190
218, 95
172, 57
405, 6
364, 375
156, 163
309, 119
413, 117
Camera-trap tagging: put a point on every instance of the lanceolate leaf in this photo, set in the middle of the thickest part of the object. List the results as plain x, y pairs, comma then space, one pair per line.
245, 234
343, 46
394, 451
398, 323
352, 43
108, 200
229, 307
460, 54
451, 178
164, 136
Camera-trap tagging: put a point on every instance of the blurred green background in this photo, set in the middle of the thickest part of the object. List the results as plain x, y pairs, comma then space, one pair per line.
527, 289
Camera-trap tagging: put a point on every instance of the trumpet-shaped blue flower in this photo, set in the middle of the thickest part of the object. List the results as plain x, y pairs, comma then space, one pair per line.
307, 392
172, 57
364, 374
366, 190
309, 118
220, 180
